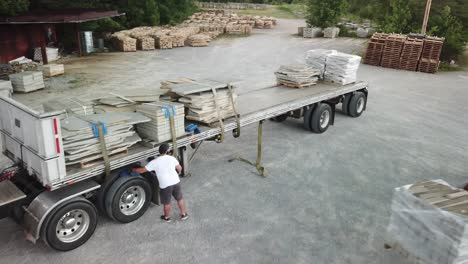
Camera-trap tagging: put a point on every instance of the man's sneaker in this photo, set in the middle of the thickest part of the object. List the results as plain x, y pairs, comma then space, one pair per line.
184, 217
165, 219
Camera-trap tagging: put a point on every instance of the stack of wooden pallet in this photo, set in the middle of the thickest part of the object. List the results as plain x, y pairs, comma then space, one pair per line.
342, 68
50, 70
159, 128
411, 54
199, 40
430, 57
81, 138
375, 49
430, 221
317, 59
201, 103
392, 51
25, 82
297, 76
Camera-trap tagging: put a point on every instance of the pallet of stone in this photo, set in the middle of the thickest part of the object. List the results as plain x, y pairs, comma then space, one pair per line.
411, 54
6, 89
81, 139
159, 128
331, 32
25, 82
428, 65
314, 32
178, 40
317, 59
199, 40
51, 70
145, 43
429, 220
162, 41
432, 48
124, 43
392, 51
297, 75
342, 68
71, 106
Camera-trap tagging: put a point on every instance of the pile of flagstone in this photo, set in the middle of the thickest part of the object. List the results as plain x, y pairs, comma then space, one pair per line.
159, 128
297, 75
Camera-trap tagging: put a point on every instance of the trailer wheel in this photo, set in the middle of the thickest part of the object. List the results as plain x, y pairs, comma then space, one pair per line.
70, 225
345, 104
307, 116
128, 199
321, 117
357, 104
280, 118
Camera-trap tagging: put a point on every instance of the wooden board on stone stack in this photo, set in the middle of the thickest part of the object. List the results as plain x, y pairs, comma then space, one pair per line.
202, 105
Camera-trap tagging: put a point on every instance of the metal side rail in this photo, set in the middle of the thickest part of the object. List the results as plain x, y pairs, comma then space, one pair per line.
245, 120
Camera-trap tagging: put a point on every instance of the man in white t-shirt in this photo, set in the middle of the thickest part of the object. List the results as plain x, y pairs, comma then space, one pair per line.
167, 170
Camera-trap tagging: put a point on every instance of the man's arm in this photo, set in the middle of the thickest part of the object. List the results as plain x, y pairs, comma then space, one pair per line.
178, 168
140, 170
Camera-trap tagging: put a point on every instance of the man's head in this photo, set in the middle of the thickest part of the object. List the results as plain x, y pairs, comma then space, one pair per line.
163, 149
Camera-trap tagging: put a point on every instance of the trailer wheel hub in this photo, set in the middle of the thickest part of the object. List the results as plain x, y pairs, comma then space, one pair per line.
72, 226
132, 200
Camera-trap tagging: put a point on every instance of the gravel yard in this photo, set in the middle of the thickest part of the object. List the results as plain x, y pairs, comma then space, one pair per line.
327, 197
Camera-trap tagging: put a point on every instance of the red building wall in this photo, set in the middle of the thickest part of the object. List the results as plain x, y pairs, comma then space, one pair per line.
20, 40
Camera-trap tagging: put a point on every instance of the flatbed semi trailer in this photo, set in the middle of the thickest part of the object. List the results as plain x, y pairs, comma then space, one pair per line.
53, 201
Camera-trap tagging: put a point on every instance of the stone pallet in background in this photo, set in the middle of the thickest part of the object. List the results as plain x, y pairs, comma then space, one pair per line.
331, 32
123, 42
163, 41
429, 221
26, 82
51, 70
199, 40
145, 43
411, 54
392, 51
375, 49
312, 32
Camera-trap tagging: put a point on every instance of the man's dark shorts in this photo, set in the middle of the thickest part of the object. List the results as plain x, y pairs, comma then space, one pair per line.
166, 193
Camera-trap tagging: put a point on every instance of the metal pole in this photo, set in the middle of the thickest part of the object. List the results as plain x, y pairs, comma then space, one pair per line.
426, 16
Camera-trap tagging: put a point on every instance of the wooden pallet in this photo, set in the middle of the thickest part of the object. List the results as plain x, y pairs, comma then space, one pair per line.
411, 54
295, 85
428, 65
392, 51
432, 48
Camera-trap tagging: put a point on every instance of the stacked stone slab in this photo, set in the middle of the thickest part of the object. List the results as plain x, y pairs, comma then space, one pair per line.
331, 32
5, 88
429, 220
314, 32
297, 75
317, 59
25, 82
342, 68
199, 40
159, 128
51, 70
122, 42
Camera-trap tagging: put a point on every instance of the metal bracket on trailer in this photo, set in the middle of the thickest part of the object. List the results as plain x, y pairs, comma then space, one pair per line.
43, 204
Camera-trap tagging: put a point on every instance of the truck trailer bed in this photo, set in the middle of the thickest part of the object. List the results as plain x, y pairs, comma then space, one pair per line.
252, 106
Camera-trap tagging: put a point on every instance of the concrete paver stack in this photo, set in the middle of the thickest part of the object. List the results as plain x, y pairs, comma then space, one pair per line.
342, 68
6, 89
297, 75
159, 128
28, 81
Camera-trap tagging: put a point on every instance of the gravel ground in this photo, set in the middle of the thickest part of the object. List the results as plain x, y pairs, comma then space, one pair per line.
327, 197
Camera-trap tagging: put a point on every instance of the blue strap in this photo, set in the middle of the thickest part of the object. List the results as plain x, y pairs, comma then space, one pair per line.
193, 128
96, 130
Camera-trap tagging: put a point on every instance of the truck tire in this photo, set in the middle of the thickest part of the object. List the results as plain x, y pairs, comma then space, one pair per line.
321, 117
307, 117
280, 118
357, 104
345, 104
70, 225
128, 198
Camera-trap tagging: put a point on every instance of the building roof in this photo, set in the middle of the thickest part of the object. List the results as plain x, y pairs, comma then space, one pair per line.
59, 16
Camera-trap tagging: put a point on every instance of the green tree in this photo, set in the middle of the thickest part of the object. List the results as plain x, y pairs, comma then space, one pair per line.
13, 7
324, 13
399, 18
448, 26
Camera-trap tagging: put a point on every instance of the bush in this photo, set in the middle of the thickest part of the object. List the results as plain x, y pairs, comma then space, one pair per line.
321, 13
